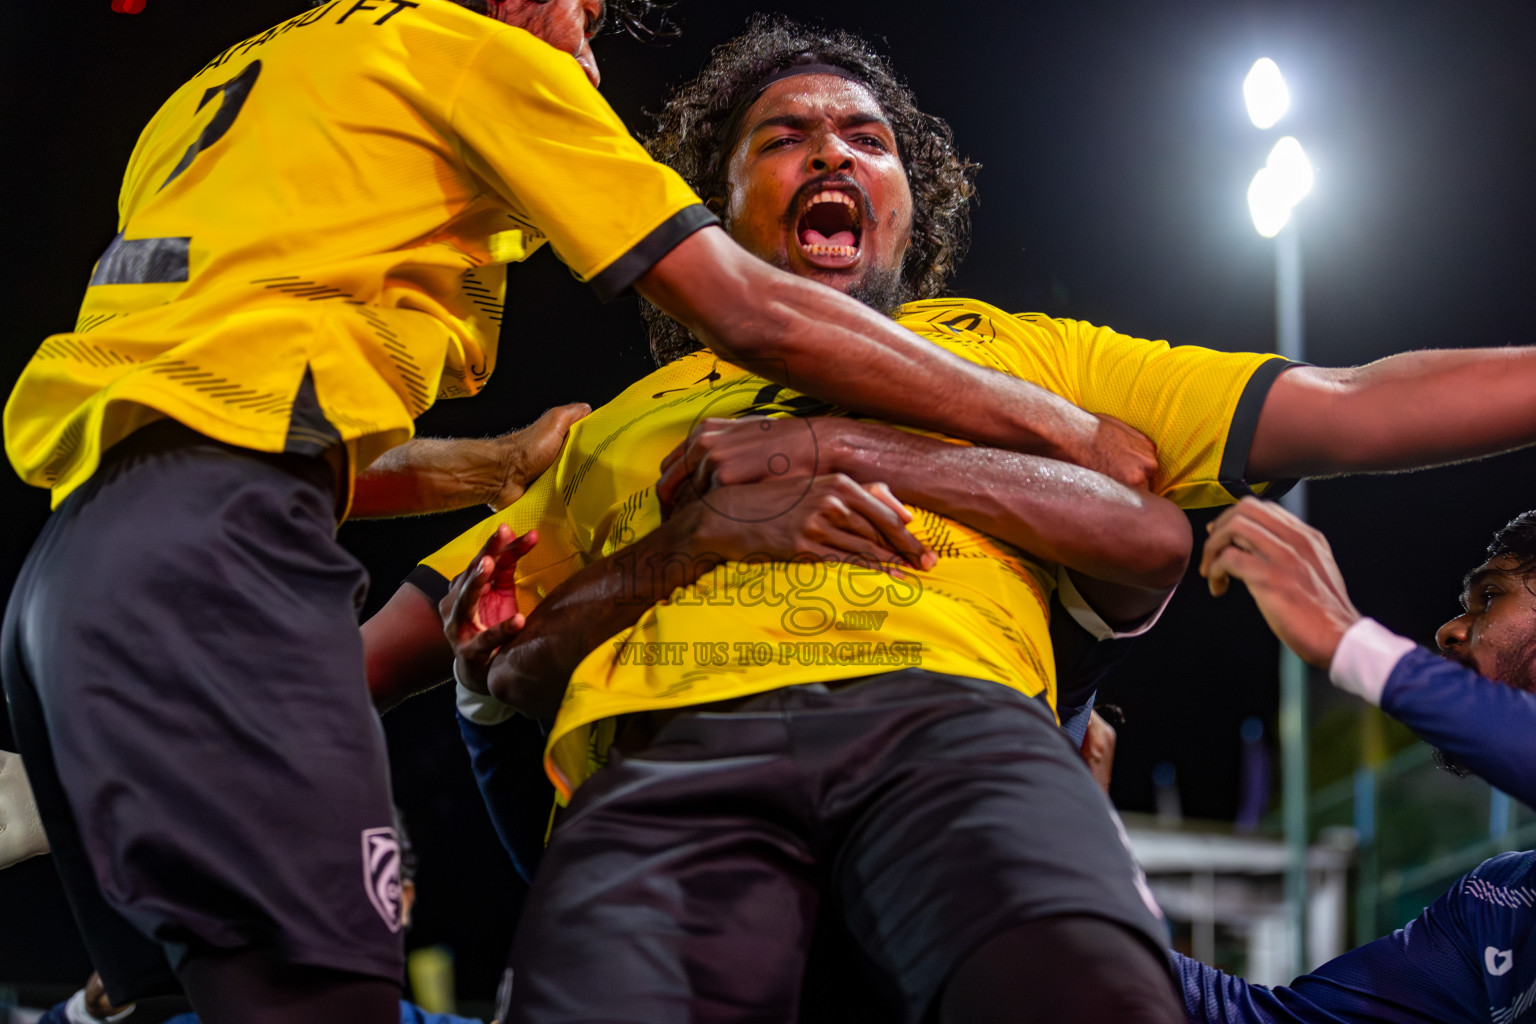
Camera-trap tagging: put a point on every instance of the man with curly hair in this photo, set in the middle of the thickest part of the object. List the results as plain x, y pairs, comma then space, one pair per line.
702, 119
758, 780
1290, 422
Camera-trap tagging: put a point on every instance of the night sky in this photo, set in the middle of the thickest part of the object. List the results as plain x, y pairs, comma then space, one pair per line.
1116, 156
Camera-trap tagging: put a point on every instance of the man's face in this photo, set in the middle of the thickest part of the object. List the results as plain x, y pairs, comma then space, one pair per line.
567, 25
816, 186
1496, 635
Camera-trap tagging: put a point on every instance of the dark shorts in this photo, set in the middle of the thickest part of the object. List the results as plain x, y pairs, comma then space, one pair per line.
185, 678
928, 813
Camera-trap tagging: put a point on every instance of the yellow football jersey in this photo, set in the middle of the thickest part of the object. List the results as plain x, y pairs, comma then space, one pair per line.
313, 233
746, 628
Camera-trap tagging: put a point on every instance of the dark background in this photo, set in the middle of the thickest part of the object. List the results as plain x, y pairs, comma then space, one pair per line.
1116, 156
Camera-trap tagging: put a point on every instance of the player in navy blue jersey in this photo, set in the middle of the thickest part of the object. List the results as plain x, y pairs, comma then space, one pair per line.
1471, 956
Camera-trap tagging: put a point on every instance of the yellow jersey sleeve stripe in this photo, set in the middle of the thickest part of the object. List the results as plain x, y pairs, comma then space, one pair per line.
1245, 422
616, 279
567, 167
429, 581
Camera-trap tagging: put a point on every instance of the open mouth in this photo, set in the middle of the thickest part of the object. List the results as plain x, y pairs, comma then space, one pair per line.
831, 225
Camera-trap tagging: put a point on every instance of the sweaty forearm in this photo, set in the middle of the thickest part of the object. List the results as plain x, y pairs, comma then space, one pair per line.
530, 673
1053, 510
431, 475
809, 337
846, 353
1407, 411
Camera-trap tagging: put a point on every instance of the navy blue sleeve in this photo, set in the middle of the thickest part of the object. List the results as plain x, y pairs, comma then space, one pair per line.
1422, 974
1487, 726
410, 1013
508, 759
1218, 998
58, 1014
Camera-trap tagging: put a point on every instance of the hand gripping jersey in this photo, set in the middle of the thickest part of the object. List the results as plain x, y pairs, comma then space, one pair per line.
748, 627
313, 233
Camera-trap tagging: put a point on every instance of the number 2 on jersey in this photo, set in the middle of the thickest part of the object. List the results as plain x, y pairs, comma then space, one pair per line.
234, 94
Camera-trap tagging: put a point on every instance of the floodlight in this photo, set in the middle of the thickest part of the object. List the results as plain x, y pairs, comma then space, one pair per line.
1265, 93
1292, 168
1268, 203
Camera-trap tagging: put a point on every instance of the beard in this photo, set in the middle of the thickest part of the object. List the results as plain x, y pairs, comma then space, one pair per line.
884, 291
1516, 666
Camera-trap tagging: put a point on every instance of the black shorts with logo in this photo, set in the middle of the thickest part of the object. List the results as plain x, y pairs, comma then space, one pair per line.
186, 683
926, 812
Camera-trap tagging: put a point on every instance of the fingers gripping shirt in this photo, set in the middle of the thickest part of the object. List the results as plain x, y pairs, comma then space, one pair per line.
745, 628
313, 233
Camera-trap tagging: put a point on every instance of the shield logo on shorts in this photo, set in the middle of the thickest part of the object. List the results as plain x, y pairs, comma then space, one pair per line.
381, 874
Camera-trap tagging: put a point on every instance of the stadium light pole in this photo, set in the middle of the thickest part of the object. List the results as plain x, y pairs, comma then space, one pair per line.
1283, 181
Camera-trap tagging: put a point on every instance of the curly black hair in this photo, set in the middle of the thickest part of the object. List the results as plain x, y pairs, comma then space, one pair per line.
1517, 539
690, 129
646, 20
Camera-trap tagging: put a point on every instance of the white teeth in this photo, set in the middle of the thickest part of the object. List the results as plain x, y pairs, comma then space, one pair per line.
832, 250
830, 196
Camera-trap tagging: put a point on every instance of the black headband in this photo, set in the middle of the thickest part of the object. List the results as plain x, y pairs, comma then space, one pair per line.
803, 69
733, 122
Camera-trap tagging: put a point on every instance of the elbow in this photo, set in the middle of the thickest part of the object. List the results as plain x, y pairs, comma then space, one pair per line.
1166, 573
524, 692
508, 686
1164, 549
1152, 546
